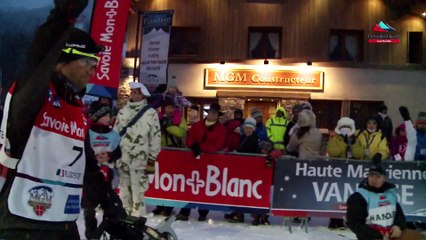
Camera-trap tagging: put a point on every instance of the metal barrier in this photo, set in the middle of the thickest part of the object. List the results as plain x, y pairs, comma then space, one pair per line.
318, 186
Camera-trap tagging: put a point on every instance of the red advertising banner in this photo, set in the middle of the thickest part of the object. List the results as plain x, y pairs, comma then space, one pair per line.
214, 180
109, 24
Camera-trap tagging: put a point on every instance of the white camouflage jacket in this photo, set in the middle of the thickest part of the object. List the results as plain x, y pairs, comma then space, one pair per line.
142, 140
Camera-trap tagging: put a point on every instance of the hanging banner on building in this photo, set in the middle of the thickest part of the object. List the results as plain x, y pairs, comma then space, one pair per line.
109, 24
216, 181
265, 79
321, 188
155, 47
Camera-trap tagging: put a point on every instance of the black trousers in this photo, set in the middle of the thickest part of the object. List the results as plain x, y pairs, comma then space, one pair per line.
187, 211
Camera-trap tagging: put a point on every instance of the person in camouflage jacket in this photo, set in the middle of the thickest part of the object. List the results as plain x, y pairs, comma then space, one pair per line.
140, 146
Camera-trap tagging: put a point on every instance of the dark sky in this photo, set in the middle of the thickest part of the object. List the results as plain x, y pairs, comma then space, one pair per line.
25, 3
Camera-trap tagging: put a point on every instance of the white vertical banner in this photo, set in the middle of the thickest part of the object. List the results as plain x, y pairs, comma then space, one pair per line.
155, 47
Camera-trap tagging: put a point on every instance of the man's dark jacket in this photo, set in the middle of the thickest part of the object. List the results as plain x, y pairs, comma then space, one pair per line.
357, 213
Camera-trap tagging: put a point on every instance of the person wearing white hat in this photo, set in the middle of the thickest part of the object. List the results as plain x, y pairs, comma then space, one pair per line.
135, 86
140, 145
340, 144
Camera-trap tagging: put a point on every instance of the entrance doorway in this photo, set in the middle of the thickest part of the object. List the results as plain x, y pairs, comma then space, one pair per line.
267, 107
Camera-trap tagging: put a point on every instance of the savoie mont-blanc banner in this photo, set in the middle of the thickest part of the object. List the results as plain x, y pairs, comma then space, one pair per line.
321, 188
155, 47
109, 24
215, 181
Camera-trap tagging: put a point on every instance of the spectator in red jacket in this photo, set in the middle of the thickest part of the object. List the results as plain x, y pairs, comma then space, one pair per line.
206, 135
233, 136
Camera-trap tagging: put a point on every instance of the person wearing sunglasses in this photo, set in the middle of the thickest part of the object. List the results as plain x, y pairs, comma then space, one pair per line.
43, 135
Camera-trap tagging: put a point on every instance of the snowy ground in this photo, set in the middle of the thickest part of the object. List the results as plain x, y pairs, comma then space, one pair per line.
219, 229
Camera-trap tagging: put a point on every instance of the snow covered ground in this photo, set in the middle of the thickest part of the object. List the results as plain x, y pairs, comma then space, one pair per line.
216, 228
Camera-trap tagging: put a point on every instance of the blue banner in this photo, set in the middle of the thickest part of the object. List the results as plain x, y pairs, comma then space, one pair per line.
322, 187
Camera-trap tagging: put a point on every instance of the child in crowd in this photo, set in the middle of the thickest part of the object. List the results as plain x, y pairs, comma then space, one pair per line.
177, 96
172, 93
398, 144
103, 147
180, 102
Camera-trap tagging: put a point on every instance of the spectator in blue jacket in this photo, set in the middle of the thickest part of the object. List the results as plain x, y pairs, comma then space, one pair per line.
260, 126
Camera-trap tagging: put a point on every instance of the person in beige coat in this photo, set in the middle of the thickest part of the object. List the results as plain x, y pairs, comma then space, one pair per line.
307, 139
140, 146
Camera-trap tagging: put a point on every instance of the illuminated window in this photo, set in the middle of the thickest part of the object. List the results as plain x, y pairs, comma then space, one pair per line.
264, 42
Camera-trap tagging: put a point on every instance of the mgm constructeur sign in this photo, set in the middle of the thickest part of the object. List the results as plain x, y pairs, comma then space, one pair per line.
265, 79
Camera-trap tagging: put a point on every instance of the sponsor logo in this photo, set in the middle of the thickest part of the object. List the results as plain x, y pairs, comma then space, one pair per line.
72, 128
40, 199
56, 103
215, 183
342, 207
72, 206
68, 174
101, 137
383, 27
100, 144
74, 45
383, 33
152, 78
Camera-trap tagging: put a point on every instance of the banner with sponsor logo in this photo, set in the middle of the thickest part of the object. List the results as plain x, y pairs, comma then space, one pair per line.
216, 181
155, 47
321, 188
109, 24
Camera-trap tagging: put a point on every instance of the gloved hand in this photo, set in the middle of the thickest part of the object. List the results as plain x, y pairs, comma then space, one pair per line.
165, 123
349, 140
377, 157
150, 167
268, 161
195, 107
346, 139
196, 150
404, 113
113, 206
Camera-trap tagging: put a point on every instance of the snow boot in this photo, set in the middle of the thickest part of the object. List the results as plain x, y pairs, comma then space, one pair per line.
238, 218
264, 220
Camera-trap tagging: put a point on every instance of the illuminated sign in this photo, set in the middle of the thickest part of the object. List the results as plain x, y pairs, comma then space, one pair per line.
383, 34
264, 79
